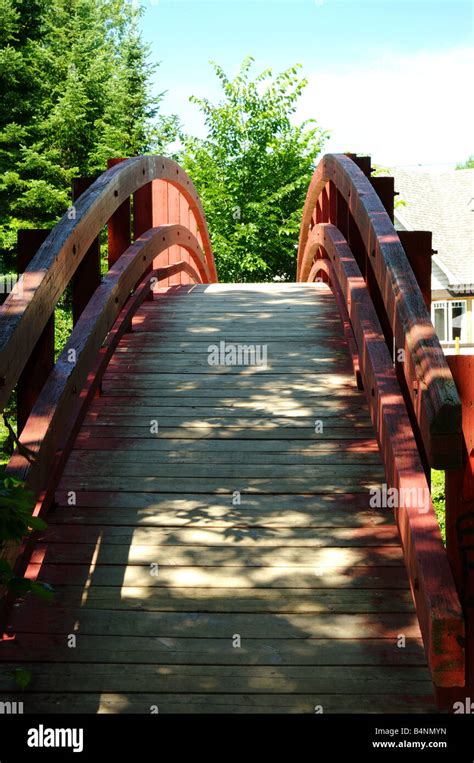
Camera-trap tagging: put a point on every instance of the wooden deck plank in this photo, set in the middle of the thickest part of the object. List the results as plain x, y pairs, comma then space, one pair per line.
105, 467
113, 455
239, 679
256, 537
227, 486
214, 624
167, 510
45, 647
258, 600
210, 703
386, 577
230, 555
245, 434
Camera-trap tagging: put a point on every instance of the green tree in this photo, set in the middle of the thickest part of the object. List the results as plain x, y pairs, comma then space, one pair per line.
75, 78
252, 172
467, 165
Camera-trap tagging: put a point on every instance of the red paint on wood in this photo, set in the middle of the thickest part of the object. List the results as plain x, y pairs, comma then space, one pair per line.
184, 218
119, 226
161, 217
322, 267
142, 210
173, 217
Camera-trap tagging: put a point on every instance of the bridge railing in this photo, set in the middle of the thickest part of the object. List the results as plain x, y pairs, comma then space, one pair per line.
341, 193
347, 238
134, 199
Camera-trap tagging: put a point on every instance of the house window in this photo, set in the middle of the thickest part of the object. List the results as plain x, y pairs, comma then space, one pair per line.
439, 318
450, 320
458, 320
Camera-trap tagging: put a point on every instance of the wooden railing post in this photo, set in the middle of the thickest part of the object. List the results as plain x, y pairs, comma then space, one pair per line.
384, 187
417, 245
119, 226
41, 360
87, 276
364, 163
150, 209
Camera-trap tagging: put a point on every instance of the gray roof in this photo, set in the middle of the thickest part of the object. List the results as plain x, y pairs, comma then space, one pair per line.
442, 202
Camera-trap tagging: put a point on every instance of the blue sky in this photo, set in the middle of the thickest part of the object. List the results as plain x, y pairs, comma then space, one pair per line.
389, 77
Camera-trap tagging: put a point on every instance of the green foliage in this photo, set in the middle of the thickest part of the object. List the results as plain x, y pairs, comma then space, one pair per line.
75, 83
16, 522
62, 325
379, 171
22, 677
16, 505
252, 172
438, 498
467, 165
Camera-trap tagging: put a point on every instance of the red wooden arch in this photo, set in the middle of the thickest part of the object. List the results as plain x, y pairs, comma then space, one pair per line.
27, 309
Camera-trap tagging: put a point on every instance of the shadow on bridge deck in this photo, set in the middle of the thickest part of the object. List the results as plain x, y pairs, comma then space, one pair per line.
213, 548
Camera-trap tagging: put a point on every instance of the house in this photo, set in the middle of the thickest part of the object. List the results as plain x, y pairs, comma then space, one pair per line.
443, 202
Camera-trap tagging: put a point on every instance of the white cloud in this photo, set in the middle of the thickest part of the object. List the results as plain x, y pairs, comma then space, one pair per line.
402, 109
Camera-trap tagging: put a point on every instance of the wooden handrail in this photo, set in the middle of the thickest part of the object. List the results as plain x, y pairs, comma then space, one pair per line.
434, 592
429, 381
52, 410
27, 309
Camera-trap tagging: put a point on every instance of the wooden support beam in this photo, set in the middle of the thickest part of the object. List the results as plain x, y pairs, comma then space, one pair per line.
41, 360
325, 204
119, 225
384, 187
184, 215
332, 191
86, 279
418, 249
142, 210
143, 217
342, 213
173, 218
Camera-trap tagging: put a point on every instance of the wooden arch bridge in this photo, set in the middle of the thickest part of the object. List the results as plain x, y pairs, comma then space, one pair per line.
252, 531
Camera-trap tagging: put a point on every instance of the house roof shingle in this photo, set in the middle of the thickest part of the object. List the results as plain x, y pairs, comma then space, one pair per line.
442, 202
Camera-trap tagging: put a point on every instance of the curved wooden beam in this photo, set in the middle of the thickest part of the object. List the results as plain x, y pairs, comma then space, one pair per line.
27, 309
178, 267
51, 413
437, 604
430, 384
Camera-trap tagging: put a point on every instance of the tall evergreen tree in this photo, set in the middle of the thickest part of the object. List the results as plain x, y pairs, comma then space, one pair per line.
75, 85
